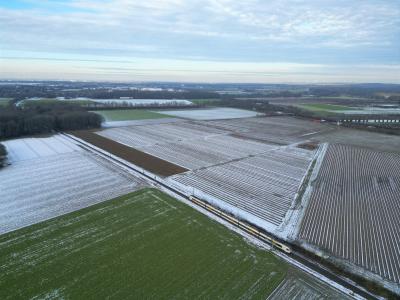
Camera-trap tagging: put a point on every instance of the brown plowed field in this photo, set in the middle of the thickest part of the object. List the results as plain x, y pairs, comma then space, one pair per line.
146, 161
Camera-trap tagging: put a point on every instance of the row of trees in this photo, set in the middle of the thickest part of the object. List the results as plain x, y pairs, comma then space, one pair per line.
3, 155
45, 118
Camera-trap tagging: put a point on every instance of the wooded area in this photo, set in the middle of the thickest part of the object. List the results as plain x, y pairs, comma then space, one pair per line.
37, 119
3, 155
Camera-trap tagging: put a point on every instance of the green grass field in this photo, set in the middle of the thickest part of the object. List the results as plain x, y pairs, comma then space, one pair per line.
4, 101
132, 114
144, 245
325, 107
205, 101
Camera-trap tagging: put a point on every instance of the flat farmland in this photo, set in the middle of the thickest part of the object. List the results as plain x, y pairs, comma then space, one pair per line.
33, 148
142, 245
200, 153
288, 130
354, 209
49, 177
132, 114
189, 145
297, 285
275, 130
211, 113
114, 124
153, 134
360, 138
260, 189
130, 117
325, 107
255, 179
4, 101
139, 158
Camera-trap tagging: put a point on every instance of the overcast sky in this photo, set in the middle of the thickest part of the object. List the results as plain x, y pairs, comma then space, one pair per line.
201, 40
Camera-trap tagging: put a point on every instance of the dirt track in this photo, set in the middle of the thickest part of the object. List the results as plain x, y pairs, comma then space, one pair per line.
150, 163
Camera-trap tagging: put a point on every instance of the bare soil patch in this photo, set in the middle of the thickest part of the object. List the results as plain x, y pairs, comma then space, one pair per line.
308, 145
146, 161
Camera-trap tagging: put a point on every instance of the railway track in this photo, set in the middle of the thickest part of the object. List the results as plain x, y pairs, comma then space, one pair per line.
285, 250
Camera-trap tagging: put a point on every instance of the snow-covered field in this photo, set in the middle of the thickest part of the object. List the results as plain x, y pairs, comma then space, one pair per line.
189, 145
297, 285
354, 208
260, 189
277, 130
254, 180
211, 114
31, 148
110, 124
200, 153
49, 177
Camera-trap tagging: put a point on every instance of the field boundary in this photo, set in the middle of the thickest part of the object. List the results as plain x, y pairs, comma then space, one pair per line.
306, 188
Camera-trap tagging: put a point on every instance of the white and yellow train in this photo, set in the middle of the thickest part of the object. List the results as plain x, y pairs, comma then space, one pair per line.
249, 229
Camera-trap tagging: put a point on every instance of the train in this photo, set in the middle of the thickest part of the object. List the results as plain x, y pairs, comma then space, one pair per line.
249, 229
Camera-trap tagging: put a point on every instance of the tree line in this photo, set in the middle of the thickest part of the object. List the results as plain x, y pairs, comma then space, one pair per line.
45, 118
3, 155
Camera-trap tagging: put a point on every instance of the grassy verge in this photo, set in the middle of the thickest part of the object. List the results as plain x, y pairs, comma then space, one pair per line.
211, 102
144, 245
4, 101
127, 115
